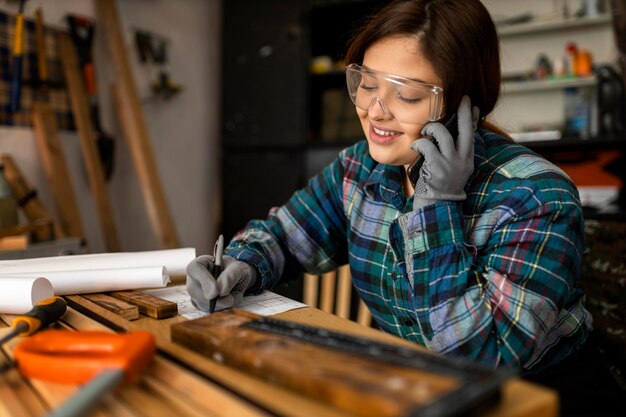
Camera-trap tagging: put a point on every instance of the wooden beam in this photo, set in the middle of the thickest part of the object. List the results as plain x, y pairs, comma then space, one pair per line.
55, 167
344, 292
26, 195
132, 119
17, 397
115, 305
149, 305
352, 383
87, 137
327, 301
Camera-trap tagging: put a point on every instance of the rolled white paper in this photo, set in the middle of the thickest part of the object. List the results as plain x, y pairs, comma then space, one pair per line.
100, 280
18, 295
174, 260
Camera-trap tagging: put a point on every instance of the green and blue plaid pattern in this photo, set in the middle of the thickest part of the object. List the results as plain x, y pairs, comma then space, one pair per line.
492, 278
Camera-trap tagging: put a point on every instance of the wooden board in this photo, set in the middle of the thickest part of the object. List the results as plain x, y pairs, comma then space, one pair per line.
132, 119
149, 305
87, 136
55, 167
352, 383
115, 305
26, 196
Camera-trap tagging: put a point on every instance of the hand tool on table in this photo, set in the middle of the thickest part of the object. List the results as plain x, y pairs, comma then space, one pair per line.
99, 359
218, 252
18, 55
42, 315
82, 33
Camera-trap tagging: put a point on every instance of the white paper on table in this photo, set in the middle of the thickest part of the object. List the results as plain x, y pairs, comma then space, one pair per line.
100, 280
18, 295
264, 304
174, 260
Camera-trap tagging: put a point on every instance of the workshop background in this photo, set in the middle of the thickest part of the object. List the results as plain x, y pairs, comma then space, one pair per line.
261, 105
184, 128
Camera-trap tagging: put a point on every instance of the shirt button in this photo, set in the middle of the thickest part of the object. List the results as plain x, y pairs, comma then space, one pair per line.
407, 321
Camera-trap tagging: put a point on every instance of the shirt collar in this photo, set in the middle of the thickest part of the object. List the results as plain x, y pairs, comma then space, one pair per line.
386, 180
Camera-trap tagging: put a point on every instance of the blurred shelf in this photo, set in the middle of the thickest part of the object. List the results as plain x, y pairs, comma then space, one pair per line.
608, 141
538, 26
549, 84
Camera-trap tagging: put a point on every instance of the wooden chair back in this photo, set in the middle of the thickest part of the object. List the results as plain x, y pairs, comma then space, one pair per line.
332, 292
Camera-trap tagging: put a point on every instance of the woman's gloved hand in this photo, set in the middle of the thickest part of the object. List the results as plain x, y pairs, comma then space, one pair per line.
228, 288
446, 167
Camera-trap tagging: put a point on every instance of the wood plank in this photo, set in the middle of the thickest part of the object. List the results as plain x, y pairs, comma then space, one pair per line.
115, 305
55, 167
13, 241
344, 292
17, 396
310, 292
26, 196
149, 305
327, 300
133, 122
349, 382
87, 136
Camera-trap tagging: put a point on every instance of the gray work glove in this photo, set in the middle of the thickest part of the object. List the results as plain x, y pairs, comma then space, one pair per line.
235, 279
446, 167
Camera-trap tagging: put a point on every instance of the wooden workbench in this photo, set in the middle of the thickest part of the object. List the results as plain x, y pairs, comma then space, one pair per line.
181, 382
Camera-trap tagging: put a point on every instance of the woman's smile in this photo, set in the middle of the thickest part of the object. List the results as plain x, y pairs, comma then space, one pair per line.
383, 136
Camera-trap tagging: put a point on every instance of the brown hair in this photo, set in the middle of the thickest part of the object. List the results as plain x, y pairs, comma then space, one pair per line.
458, 37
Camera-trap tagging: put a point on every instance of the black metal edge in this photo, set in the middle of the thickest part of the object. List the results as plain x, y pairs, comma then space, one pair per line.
479, 385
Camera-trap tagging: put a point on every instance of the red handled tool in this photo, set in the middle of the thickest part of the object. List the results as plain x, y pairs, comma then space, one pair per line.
100, 358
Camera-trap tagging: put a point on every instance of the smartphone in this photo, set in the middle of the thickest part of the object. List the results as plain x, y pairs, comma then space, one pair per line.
414, 169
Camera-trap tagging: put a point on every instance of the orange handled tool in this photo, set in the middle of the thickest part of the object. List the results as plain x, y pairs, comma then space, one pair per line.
75, 357
42, 314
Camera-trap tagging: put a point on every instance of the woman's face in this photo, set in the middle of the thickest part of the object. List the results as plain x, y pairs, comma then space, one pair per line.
390, 140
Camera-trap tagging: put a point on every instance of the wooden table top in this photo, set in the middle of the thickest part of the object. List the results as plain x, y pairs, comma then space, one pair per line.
183, 382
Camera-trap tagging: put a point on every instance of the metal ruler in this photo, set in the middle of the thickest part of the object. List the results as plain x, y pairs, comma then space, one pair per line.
478, 385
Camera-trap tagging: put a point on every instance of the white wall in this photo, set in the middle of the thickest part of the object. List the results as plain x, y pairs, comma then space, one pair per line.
184, 131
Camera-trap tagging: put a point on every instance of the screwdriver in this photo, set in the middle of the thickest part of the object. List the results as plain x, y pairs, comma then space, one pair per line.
42, 315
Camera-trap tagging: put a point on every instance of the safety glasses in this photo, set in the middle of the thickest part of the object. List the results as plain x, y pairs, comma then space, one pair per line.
407, 100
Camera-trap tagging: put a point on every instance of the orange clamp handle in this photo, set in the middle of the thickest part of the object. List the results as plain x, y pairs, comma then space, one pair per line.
75, 357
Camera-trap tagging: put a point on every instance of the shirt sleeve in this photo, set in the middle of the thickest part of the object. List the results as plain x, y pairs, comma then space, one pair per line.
308, 233
497, 289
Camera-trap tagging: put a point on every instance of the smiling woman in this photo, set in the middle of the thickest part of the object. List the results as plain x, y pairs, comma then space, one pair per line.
479, 256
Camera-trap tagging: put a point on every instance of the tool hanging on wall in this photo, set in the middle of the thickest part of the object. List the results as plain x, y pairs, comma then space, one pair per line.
82, 34
18, 55
79, 99
153, 48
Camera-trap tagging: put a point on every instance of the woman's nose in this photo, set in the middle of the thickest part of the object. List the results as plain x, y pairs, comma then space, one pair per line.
377, 109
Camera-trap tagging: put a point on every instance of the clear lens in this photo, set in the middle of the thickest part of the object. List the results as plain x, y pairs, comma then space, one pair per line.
407, 100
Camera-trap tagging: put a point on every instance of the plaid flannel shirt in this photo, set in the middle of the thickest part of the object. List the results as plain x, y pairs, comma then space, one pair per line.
492, 278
